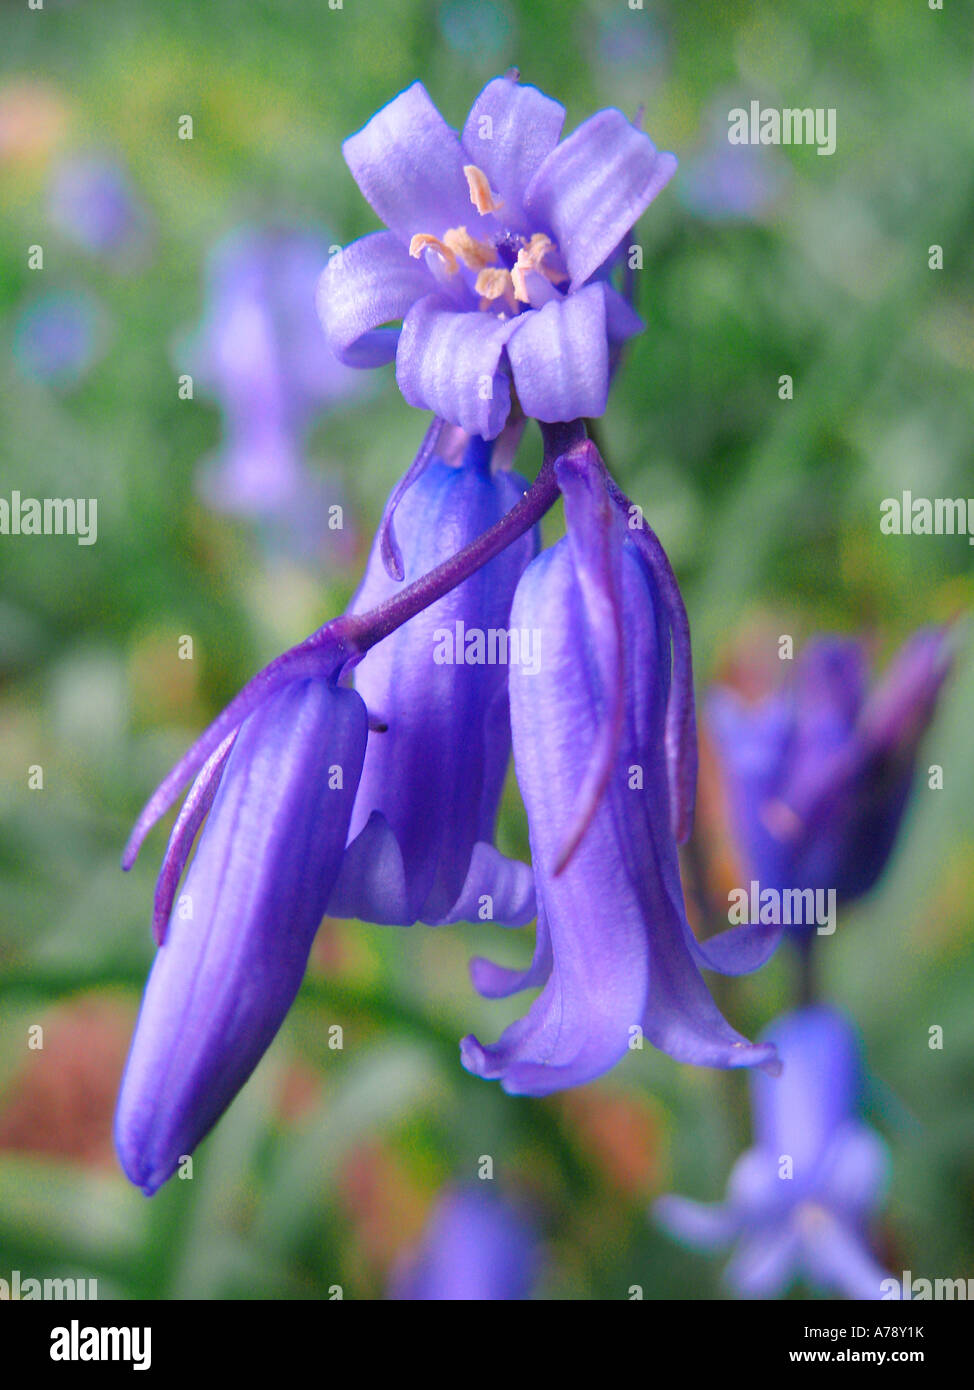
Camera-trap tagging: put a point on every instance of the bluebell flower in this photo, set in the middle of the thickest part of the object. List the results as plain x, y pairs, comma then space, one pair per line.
259, 352
497, 256
604, 751
819, 774
93, 203
277, 776
422, 830
477, 1247
799, 1201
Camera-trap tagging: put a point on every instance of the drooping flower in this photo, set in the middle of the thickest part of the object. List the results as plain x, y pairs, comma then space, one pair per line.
276, 790
422, 830
819, 774
607, 773
93, 203
799, 1201
260, 354
499, 246
477, 1247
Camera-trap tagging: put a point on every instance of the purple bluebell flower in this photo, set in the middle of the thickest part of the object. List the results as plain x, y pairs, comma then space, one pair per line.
477, 1247
92, 202
259, 352
422, 830
277, 776
59, 337
799, 1201
604, 750
819, 774
499, 246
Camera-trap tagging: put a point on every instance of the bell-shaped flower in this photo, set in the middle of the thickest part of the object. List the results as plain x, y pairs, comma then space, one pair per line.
497, 256
819, 774
421, 840
280, 768
604, 749
798, 1202
477, 1248
260, 354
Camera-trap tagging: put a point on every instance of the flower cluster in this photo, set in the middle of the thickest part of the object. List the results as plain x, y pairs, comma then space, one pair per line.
360, 773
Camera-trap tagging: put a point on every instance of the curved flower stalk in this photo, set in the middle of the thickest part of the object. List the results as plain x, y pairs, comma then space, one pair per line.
236, 948
260, 353
614, 952
476, 1248
422, 830
499, 246
819, 775
799, 1201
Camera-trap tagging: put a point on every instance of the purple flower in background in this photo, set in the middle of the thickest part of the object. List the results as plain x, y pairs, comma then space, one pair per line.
477, 1247
260, 353
799, 1201
92, 202
277, 775
59, 337
721, 181
499, 246
604, 751
422, 831
820, 773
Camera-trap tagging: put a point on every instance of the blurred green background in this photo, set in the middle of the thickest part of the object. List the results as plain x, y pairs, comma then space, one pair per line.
324, 1168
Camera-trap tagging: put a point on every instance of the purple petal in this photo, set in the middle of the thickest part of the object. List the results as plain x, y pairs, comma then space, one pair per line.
372, 282
409, 164
449, 362
475, 1248
191, 816
589, 519
681, 715
836, 1257
700, 1225
388, 545
223, 981
509, 133
764, 1262
594, 187
321, 655
560, 357
799, 1113
437, 772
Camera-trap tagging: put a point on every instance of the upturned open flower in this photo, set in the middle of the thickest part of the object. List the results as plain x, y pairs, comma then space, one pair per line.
499, 245
819, 774
604, 751
477, 1248
421, 839
799, 1201
279, 772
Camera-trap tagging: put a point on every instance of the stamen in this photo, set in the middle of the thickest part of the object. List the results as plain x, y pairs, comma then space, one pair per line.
474, 254
422, 241
531, 257
481, 195
495, 283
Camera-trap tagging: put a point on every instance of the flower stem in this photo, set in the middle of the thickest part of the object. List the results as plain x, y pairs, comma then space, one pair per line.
363, 630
